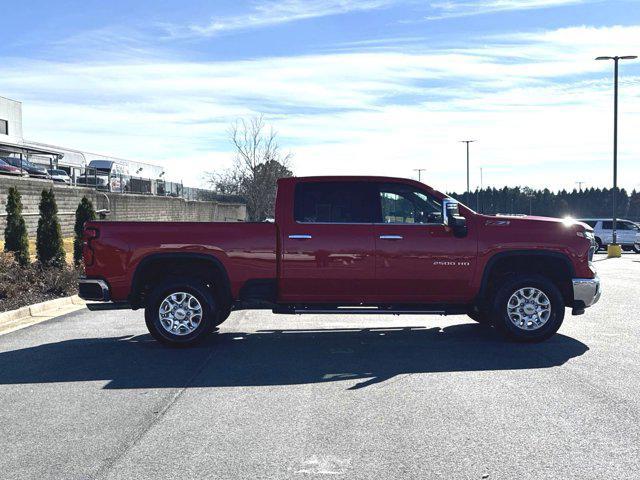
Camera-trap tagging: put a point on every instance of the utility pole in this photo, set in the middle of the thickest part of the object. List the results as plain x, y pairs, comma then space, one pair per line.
580, 185
419, 170
467, 142
615, 59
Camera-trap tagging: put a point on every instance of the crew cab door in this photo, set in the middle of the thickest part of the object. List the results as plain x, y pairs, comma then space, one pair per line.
327, 243
418, 259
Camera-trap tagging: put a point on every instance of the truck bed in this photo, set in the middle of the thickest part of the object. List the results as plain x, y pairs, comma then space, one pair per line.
247, 250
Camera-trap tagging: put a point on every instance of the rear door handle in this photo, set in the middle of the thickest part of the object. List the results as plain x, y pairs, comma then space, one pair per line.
300, 237
390, 237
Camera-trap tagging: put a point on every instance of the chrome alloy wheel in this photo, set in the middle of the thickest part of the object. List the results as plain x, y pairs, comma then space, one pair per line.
529, 308
180, 313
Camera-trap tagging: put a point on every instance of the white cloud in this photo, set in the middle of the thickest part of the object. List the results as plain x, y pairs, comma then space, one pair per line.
449, 9
276, 12
539, 105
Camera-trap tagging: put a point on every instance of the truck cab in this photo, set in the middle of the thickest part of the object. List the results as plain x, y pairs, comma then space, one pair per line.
345, 245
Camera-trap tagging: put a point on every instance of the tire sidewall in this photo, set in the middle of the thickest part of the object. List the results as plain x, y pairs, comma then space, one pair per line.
599, 244
196, 288
510, 286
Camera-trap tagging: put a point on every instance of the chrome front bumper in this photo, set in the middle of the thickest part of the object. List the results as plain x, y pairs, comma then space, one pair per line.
586, 291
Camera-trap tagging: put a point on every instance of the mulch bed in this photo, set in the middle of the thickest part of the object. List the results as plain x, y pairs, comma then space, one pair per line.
21, 286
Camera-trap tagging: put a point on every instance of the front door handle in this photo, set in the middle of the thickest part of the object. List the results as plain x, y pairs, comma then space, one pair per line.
390, 237
300, 237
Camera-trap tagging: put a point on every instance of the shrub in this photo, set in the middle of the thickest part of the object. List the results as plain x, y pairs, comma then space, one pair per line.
15, 232
84, 213
49, 247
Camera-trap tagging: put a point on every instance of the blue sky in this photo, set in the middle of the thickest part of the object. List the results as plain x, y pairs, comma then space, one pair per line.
353, 87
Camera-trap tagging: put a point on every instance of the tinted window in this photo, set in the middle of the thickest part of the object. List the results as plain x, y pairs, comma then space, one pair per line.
334, 202
404, 204
625, 226
607, 225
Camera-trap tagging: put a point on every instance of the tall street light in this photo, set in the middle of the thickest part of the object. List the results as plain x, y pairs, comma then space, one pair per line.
419, 170
467, 142
615, 59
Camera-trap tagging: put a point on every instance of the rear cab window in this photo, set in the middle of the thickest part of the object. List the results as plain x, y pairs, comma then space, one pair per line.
334, 202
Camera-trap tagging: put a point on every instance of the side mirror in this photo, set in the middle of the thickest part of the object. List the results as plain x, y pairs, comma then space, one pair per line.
452, 218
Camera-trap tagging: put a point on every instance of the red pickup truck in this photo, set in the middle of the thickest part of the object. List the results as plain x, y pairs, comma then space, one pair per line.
346, 245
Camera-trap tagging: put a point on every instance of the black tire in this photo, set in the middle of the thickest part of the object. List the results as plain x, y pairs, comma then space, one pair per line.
197, 289
636, 248
599, 245
509, 287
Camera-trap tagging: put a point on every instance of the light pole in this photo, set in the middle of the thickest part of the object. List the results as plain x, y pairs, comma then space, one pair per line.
467, 142
615, 59
419, 170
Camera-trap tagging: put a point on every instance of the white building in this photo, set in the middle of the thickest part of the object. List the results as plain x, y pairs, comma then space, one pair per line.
13, 144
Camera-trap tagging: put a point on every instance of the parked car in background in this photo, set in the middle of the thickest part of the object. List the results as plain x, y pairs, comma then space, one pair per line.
59, 176
6, 169
627, 233
36, 171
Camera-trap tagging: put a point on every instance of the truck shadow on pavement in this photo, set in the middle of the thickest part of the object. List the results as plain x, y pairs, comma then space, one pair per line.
362, 357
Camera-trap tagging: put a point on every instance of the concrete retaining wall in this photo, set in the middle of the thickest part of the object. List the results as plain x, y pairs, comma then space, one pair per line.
144, 208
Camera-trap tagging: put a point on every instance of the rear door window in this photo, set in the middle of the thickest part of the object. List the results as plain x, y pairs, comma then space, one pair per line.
607, 225
334, 202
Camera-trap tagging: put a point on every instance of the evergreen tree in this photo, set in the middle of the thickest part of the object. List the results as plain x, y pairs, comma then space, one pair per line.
84, 213
49, 246
15, 232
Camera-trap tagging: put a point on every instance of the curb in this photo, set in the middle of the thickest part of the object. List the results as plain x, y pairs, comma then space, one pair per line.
38, 312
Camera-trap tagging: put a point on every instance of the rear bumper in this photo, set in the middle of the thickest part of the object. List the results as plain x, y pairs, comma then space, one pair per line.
586, 292
94, 289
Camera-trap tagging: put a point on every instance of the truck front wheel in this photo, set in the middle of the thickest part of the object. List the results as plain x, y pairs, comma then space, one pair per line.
528, 308
180, 312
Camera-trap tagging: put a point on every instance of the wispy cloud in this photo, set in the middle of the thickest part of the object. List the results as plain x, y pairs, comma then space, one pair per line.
538, 94
453, 8
276, 12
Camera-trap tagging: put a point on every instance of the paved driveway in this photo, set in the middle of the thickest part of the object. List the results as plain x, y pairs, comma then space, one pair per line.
90, 395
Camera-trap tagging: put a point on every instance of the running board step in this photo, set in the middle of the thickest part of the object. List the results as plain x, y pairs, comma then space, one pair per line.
357, 310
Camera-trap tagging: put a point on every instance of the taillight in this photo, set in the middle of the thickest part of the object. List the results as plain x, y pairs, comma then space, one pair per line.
88, 235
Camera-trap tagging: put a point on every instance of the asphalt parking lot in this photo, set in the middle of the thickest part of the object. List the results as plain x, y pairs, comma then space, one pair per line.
90, 395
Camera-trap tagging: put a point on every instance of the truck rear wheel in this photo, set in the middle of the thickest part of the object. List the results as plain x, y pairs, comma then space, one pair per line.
180, 312
528, 308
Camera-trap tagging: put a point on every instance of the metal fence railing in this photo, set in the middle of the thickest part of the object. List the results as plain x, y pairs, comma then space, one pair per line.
120, 183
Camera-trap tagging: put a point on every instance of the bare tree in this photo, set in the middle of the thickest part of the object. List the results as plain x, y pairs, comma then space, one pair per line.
257, 165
